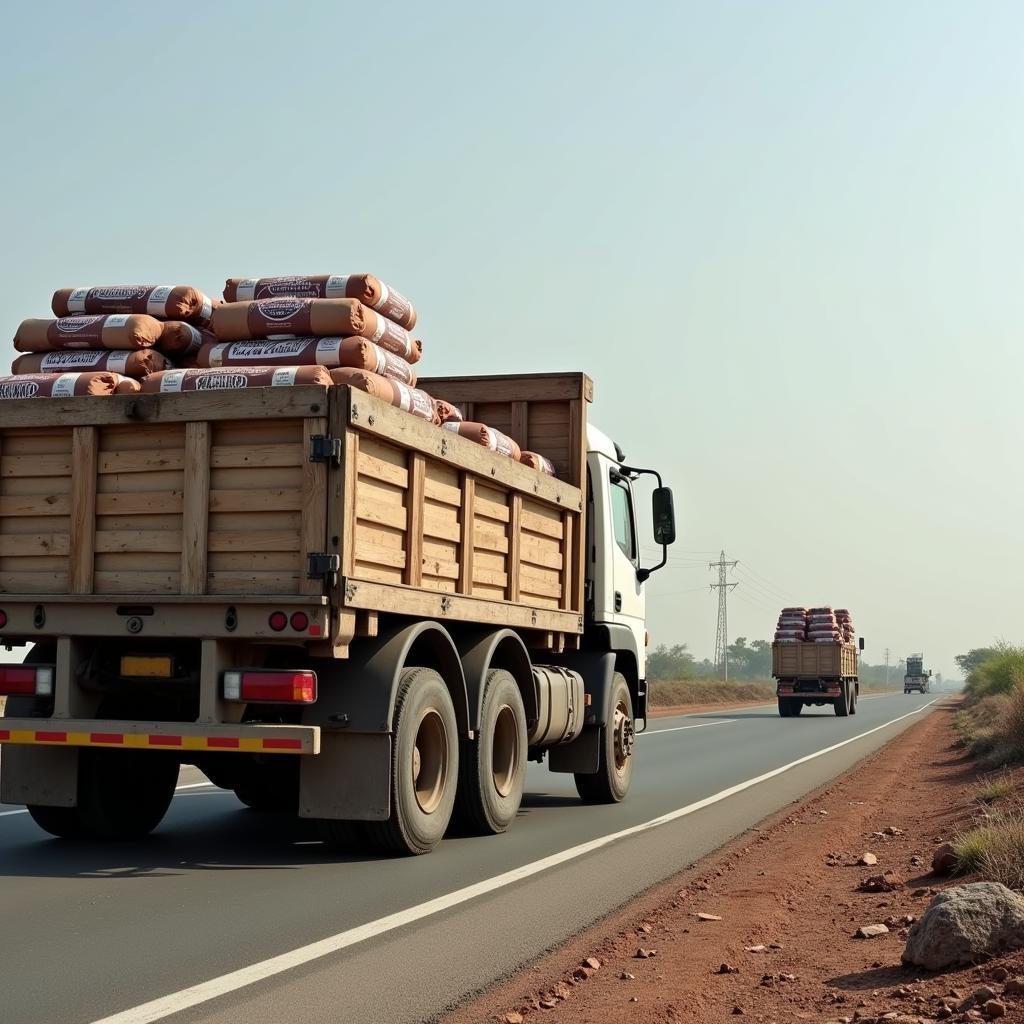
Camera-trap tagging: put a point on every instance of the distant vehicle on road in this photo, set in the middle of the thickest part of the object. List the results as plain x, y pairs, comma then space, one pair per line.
816, 673
916, 678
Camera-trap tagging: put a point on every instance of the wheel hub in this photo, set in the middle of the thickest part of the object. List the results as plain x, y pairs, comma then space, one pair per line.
623, 737
429, 762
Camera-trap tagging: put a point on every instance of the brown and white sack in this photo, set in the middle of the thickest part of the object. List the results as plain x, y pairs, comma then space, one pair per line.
180, 340
140, 363
538, 462
486, 436
164, 301
58, 385
271, 318
116, 331
411, 400
230, 378
359, 353
365, 287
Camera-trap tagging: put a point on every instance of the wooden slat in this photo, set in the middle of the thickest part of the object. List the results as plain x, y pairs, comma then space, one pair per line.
33, 582
195, 524
567, 562
467, 518
275, 582
440, 524
519, 427
142, 503
380, 554
439, 491
534, 550
34, 544
350, 468
35, 465
534, 387
414, 526
109, 541
490, 540
82, 527
252, 540
254, 561
542, 582
141, 461
138, 561
314, 502
260, 456
535, 523
514, 546
269, 500
491, 509
137, 582
386, 515
35, 505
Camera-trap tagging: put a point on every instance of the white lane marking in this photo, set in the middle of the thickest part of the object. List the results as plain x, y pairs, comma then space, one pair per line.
176, 1002
177, 789
749, 707
682, 728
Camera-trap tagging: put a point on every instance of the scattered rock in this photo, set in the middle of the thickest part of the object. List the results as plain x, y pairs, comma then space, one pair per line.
983, 994
512, 1018
644, 954
728, 969
626, 976
867, 860
919, 893
916, 862
548, 1004
871, 931
756, 949
562, 991
708, 917
944, 859
966, 923
775, 945
593, 963
1000, 974
995, 1008
888, 881
737, 1011
787, 977
1014, 987
633, 999
891, 830
645, 929
943, 1013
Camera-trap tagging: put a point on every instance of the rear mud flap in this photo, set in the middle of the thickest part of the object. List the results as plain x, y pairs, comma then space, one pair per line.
39, 775
349, 780
583, 755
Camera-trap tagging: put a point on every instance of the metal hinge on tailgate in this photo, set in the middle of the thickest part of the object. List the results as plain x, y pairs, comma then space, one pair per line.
324, 448
324, 567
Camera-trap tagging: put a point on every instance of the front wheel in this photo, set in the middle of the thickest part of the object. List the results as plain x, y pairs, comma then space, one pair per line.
610, 784
424, 767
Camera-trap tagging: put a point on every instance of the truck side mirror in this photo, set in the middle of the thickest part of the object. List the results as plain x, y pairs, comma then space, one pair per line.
861, 639
664, 516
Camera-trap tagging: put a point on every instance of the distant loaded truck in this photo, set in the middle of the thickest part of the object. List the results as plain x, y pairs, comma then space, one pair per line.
916, 677
816, 674
326, 605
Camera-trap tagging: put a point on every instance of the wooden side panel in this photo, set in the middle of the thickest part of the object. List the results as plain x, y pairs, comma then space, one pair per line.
81, 542
442, 531
381, 513
35, 502
259, 520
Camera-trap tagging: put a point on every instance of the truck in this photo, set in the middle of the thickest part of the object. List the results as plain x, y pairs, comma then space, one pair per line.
326, 605
916, 677
816, 674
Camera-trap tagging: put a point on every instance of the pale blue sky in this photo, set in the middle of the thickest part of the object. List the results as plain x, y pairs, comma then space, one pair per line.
783, 238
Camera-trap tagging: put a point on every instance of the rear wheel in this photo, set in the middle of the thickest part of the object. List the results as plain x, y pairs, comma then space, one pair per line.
790, 707
424, 767
610, 784
492, 767
842, 702
853, 698
123, 794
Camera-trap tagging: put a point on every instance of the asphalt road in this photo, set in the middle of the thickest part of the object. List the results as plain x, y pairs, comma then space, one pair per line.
227, 916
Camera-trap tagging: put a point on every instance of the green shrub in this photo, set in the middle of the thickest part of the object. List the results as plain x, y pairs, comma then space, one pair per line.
1000, 673
995, 791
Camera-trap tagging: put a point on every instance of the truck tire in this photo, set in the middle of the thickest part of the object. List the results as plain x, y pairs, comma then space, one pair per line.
492, 767
270, 788
123, 794
610, 784
842, 702
424, 767
853, 698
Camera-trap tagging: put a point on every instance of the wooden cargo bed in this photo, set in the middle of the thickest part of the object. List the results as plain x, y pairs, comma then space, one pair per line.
177, 497
814, 661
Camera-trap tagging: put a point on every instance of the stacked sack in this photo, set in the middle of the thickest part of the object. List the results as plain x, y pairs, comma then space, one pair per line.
792, 626
845, 621
107, 339
822, 626
354, 328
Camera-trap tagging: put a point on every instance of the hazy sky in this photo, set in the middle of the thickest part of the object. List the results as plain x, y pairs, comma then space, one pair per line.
784, 239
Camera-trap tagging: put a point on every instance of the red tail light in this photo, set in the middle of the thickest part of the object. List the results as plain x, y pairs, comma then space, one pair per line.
300, 622
34, 681
277, 621
271, 687
3, 619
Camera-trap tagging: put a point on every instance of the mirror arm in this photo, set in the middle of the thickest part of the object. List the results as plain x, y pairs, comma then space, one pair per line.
643, 575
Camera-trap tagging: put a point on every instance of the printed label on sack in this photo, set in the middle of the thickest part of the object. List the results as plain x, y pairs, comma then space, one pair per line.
404, 395
245, 291
390, 365
76, 324
76, 300
217, 353
294, 286
76, 332
392, 337
336, 286
255, 351
279, 316
156, 303
393, 304
212, 380
53, 362
284, 377
117, 362
172, 380
19, 389
205, 314
64, 386
117, 320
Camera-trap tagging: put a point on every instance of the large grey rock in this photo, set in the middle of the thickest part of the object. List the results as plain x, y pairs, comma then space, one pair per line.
965, 924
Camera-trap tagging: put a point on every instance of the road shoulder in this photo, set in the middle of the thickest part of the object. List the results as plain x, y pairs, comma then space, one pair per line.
789, 886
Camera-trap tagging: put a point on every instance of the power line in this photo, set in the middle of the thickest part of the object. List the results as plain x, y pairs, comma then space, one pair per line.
723, 586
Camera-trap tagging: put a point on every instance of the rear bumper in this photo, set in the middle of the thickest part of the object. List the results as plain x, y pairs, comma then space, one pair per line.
788, 690
166, 736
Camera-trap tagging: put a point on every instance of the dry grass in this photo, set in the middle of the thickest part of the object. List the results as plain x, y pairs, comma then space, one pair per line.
996, 790
992, 729
665, 693
994, 849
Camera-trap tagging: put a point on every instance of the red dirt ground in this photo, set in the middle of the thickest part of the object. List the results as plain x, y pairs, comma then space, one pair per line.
790, 885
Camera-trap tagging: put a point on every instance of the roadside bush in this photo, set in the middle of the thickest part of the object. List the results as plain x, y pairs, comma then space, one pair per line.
668, 693
995, 848
1002, 672
996, 790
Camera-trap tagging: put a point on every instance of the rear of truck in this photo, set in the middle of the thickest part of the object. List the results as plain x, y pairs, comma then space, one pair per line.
817, 674
256, 582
